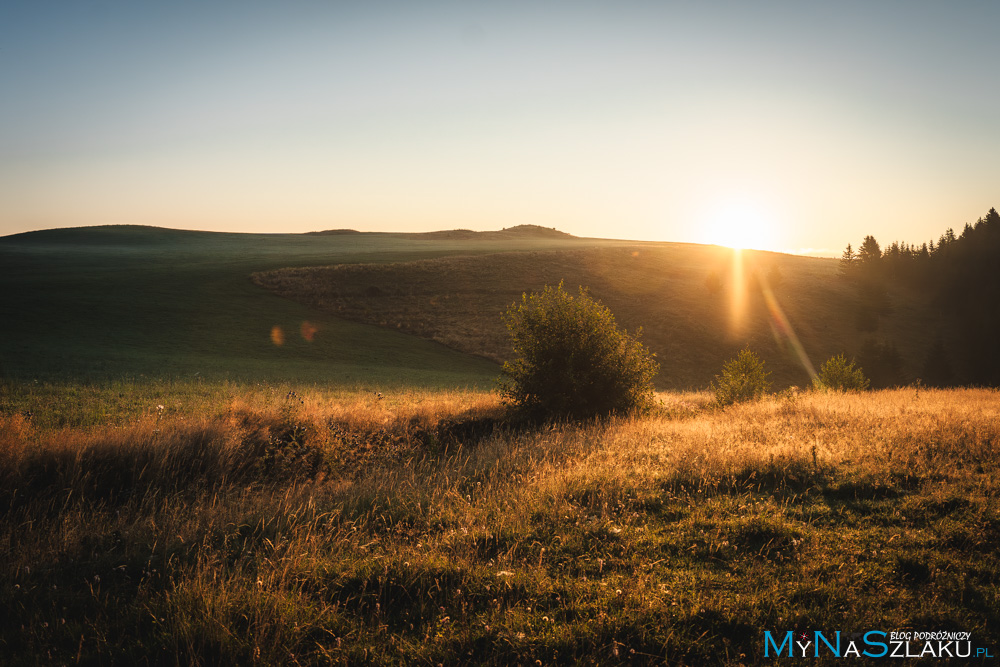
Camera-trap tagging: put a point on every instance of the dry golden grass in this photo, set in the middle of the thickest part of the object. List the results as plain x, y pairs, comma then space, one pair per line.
300, 527
666, 289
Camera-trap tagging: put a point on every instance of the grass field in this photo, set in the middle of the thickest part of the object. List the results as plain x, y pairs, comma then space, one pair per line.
107, 303
194, 470
294, 524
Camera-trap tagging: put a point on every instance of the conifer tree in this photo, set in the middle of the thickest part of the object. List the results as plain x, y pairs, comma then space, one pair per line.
869, 253
847, 261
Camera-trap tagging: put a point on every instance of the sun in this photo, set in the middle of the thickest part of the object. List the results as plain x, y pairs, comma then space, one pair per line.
739, 224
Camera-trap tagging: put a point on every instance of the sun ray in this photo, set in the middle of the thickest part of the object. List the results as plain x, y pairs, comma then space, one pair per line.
783, 329
738, 292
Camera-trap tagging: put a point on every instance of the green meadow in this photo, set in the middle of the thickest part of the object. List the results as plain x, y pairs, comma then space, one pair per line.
109, 303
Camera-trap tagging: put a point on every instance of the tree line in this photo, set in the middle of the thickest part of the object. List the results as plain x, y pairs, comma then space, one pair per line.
960, 276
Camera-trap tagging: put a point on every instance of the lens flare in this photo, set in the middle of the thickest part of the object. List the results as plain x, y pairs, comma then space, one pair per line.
782, 328
277, 335
308, 331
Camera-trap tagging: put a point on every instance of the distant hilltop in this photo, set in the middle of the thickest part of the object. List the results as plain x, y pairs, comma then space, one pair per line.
334, 232
517, 231
129, 234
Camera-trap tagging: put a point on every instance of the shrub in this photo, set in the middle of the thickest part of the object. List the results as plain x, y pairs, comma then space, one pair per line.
742, 379
839, 374
572, 360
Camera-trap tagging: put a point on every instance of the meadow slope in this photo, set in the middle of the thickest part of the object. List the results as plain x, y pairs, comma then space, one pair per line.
681, 295
106, 303
299, 525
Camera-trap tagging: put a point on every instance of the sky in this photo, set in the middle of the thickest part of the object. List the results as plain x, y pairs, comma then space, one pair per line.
793, 126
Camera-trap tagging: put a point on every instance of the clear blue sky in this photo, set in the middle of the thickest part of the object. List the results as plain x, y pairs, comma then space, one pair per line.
808, 125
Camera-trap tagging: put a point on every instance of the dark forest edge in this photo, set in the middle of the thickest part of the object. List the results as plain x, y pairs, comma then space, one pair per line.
959, 276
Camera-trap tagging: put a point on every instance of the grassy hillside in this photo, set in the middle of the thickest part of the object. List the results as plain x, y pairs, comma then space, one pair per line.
291, 525
110, 302
682, 296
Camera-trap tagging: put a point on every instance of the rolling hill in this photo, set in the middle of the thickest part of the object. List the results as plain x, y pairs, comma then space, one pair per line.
364, 308
101, 303
681, 295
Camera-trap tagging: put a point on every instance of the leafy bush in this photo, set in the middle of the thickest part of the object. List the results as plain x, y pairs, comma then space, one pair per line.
742, 379
572, 360
839, 374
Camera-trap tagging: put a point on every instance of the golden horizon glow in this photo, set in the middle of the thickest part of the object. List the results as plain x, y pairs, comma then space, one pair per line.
740, 224
597, 119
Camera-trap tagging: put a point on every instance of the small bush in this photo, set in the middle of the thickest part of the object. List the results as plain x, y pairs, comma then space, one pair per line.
839, 374
572, 360
742, 379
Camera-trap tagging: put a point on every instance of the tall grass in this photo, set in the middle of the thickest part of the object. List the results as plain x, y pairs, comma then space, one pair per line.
300, 527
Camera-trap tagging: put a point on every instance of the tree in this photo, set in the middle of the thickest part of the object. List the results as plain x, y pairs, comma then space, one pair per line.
992, 219
869, 254
848, 262
838, 374
742, 379
572, 360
